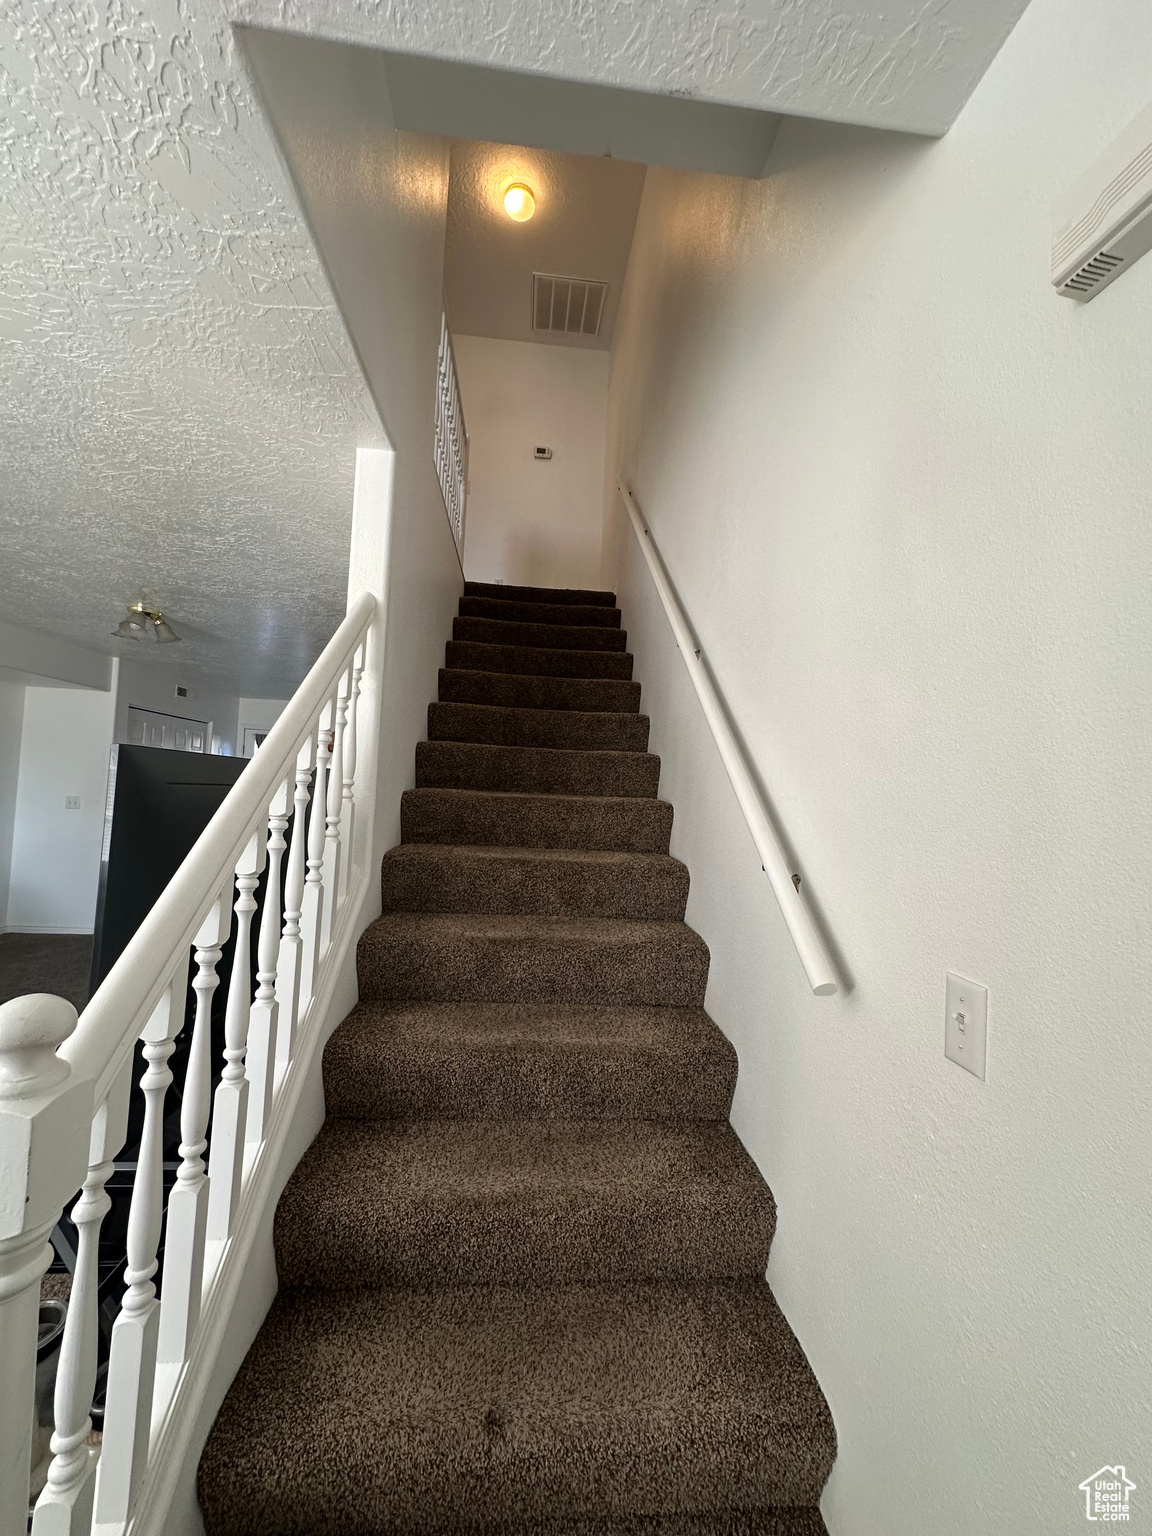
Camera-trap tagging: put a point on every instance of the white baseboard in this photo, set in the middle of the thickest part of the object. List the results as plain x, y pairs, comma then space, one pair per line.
37, 928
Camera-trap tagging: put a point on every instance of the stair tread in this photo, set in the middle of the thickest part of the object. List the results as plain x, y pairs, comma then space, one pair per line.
530, 726
557, 882
529, 925
537, 661
567, 637
512, 1060
483, 957
581, 595
498, 818
522, 1202
427, 1412
541, 770
538, 611
587, 695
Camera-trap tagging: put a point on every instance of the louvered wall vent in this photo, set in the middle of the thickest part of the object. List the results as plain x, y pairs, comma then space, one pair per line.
571, 305
1105, 222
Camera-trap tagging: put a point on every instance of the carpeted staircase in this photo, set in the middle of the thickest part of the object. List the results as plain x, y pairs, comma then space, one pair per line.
522, 1265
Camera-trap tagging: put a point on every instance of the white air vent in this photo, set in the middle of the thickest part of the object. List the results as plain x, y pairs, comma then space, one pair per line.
1105, 222
573, 306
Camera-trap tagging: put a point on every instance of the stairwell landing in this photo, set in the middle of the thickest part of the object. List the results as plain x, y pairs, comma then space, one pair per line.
522, 1266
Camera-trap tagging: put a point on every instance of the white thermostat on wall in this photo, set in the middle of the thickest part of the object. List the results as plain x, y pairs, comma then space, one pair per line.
541, 453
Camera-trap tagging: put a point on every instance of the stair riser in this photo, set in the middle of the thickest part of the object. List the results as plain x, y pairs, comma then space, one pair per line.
755, 1522
559, 637
670, 972
656, 893
539, 613
531, 661
563, 1237
585, 695
523, 1082
526, 821
531, 770
561, 730
566, 595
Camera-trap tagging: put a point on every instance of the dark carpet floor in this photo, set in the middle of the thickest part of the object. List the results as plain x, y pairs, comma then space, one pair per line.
45, 962
522, 1266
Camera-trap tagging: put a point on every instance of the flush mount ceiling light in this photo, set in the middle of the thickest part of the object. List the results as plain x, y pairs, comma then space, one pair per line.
519, 202
137, 622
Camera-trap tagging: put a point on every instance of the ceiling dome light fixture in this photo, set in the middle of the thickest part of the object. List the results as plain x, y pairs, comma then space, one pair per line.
519, 202
138, 621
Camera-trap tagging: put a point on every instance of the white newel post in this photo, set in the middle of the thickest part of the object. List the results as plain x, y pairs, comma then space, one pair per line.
348, 810
188, 1202
333, 811
132, 1359
230, 1108
64, 1508
45, 1120
315, 896
288, 966
260, 1064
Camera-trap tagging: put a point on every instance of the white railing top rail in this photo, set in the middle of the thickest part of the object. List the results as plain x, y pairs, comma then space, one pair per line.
110, 1025
785, 882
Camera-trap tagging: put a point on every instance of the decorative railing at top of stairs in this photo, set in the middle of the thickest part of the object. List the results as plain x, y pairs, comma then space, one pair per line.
814, 953
450, 437
65, 1088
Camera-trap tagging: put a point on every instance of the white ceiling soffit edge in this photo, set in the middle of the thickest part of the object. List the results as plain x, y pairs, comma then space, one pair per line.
467, 101
909, 65
38, 660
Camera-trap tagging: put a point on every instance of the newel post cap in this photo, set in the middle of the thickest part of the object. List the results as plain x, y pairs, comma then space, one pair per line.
31, 1029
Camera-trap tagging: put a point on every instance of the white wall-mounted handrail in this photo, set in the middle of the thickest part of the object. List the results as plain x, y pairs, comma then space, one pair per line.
810, 946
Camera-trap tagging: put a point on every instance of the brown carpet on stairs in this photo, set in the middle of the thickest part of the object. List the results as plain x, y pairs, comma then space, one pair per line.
522, 1265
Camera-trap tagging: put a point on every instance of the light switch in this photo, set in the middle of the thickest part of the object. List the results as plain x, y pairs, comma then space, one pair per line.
966, 1025
71, 802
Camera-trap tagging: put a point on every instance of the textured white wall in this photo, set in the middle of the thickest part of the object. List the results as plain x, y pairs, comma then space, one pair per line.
56, 852
38, 660
903, 491
376, 201
154, 687
11, 726
257, 715
533, 523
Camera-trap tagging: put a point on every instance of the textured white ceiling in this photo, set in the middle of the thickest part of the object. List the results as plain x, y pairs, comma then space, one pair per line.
585, 213
906, 64
179, 401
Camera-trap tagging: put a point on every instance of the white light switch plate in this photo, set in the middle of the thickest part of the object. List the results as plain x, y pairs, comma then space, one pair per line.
71, 802
966, 1025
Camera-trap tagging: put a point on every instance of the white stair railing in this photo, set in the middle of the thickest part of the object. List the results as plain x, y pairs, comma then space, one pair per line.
450, 437
64, 1101
814, 954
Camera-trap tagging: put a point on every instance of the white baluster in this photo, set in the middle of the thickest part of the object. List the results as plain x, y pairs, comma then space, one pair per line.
312, 913
132, 1360
188, 1202
45, 1121
348, 812
335, 806
64, 1508
230, 1107
288, 968
260, 1064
